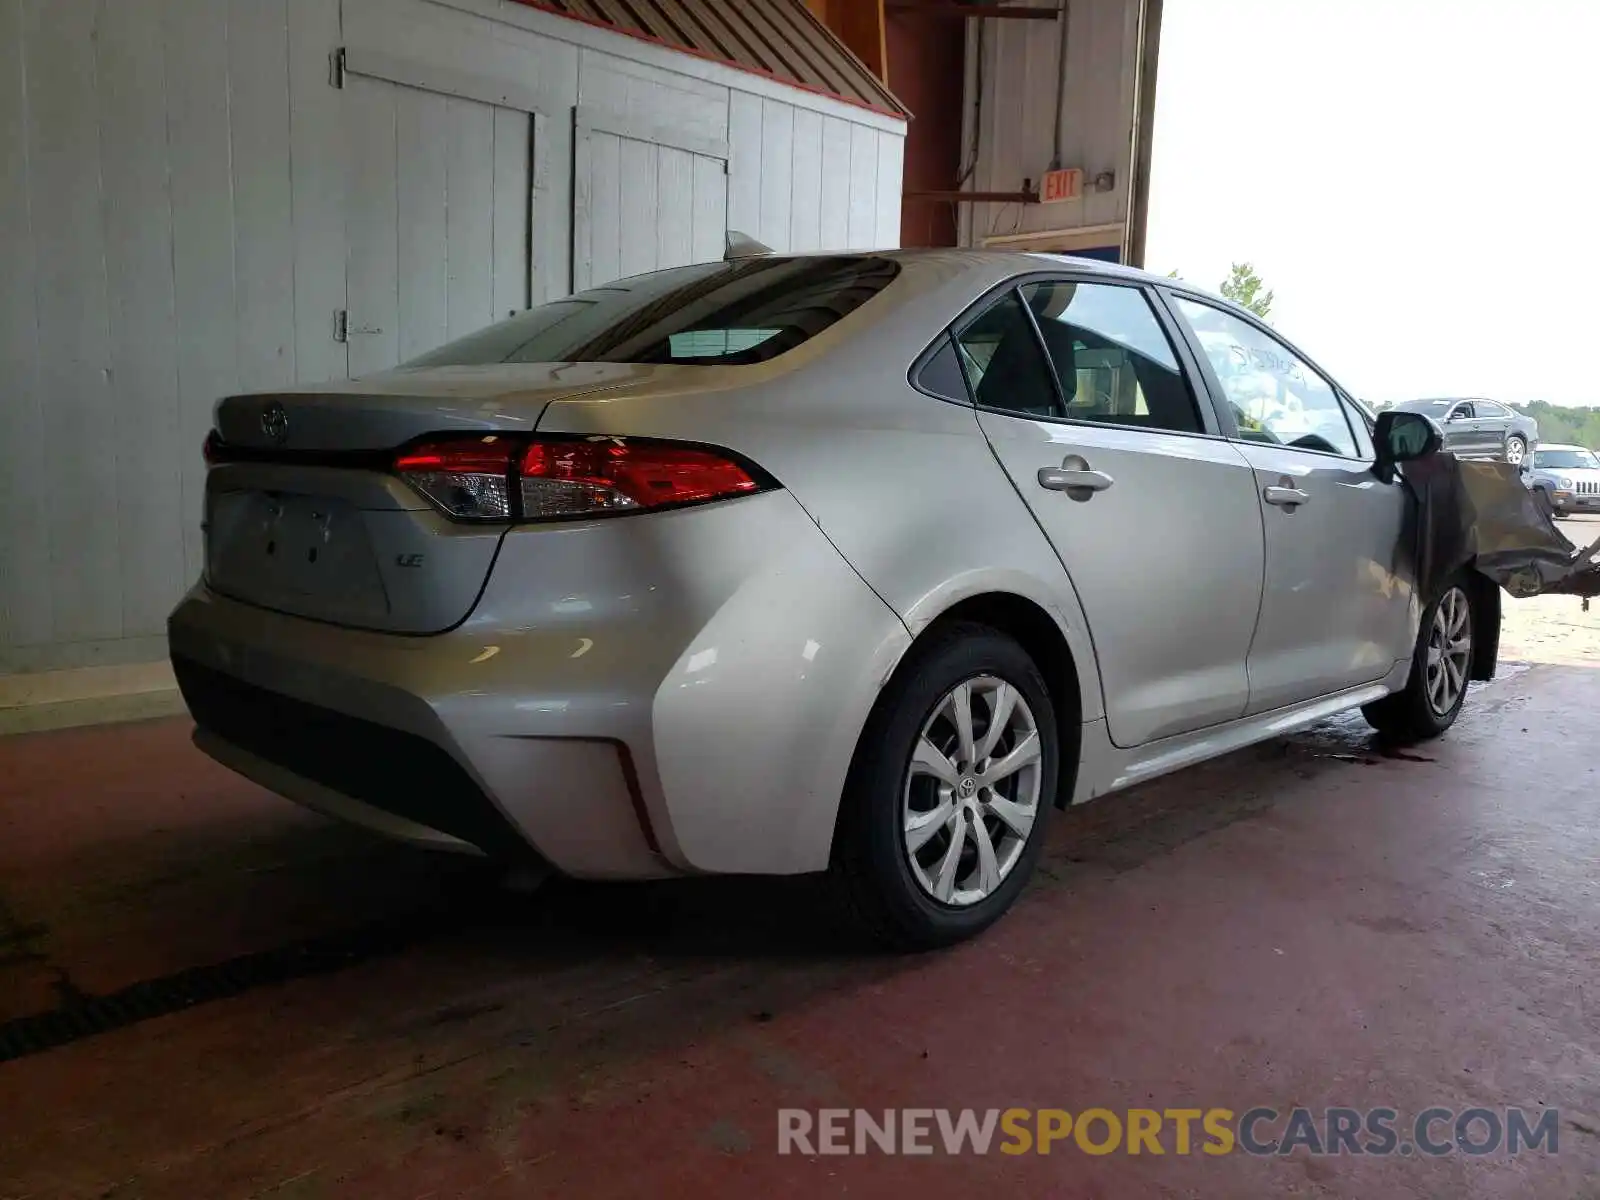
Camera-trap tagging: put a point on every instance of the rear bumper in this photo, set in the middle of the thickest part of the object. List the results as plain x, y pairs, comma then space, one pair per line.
678, 692
343, 765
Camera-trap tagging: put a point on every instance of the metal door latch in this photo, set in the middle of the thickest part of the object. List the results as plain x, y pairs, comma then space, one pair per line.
343, 331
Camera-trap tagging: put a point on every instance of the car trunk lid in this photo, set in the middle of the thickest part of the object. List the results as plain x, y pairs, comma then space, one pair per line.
387, 410
304, 516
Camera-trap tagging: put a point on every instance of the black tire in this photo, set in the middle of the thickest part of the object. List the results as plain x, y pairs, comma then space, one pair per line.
870, 874
1520, 441
1410, 715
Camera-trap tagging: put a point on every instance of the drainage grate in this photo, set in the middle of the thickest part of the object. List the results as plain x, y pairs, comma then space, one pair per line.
83, 1016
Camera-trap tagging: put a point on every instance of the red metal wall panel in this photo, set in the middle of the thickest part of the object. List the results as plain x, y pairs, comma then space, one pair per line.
926, 67
780, 39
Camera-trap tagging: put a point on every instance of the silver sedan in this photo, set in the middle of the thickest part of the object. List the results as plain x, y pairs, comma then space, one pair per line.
856, 564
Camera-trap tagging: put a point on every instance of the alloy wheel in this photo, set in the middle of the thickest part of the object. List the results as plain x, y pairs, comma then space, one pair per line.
971, 792
1516, 450
1449, 651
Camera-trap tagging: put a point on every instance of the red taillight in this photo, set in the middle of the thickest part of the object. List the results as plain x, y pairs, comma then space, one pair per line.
468, 479
501, 479
560, 477
487, 456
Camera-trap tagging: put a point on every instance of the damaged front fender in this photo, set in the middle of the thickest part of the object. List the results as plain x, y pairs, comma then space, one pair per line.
1481, 515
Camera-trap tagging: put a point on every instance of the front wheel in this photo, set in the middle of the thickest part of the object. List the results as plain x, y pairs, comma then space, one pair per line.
944, 813
1516, 450
1441, 665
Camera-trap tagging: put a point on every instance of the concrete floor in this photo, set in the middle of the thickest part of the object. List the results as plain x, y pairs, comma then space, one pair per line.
1308, 922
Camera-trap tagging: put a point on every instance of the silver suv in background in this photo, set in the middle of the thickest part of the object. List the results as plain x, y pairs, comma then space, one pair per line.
1568, 476
1479, 428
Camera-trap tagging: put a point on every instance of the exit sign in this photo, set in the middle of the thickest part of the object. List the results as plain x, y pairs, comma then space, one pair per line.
1057, 186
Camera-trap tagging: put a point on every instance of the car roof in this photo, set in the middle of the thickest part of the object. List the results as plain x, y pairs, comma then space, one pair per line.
1436, 401
1000, 264
1561, 446
1020, 261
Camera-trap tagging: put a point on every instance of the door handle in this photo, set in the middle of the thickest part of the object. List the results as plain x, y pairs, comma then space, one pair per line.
1284, 497
1079, 483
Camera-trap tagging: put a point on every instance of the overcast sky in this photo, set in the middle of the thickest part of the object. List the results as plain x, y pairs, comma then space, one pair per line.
1417, 180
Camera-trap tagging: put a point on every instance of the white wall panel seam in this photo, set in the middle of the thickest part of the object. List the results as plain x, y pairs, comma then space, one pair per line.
113, 383
24, 125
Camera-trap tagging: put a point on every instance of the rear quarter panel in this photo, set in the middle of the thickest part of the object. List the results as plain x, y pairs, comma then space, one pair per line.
904, 485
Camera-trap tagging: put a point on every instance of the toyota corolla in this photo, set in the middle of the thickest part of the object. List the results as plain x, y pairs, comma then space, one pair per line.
847, 564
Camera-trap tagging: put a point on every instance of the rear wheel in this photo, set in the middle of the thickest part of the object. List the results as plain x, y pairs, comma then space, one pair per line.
1441, 665
1516, 450
944, 813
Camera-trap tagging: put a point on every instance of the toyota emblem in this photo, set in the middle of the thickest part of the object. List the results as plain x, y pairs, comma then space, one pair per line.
275, 422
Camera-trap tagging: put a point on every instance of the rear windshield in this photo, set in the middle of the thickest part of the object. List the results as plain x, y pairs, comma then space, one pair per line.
712, 314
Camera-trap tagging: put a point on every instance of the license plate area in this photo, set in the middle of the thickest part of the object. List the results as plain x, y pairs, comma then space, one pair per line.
309, 555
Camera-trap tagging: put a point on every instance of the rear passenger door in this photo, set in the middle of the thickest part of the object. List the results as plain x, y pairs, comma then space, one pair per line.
1494, 423
1085, 401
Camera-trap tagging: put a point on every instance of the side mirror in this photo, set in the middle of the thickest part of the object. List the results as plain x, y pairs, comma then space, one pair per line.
1401, 437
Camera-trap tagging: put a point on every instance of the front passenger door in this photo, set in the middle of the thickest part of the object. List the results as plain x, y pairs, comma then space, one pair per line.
1463, 433
1336, 605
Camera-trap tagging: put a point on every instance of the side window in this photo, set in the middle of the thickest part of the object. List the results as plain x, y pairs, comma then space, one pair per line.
1004, 366
1361, 428
1114, 362
941, 373
1487, 408
1462, 412
1275, 397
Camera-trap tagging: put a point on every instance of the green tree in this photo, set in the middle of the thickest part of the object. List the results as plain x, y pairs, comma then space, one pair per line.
1245, 288
1561, 423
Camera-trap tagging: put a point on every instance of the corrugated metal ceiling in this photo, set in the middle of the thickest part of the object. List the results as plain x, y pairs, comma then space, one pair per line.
776, 38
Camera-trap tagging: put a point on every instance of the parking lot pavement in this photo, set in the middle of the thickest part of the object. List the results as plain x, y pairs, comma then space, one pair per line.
1555, 629
250, 1002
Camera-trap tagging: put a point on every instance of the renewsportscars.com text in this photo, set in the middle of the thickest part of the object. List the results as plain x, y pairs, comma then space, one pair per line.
1262, 1131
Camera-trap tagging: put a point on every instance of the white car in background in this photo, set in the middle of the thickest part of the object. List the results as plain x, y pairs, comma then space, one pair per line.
1568, 476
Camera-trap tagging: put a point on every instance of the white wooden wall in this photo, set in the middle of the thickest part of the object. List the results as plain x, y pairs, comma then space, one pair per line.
436, 220
186, 200
158, 251
804, 180
1016, 128
650, 188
